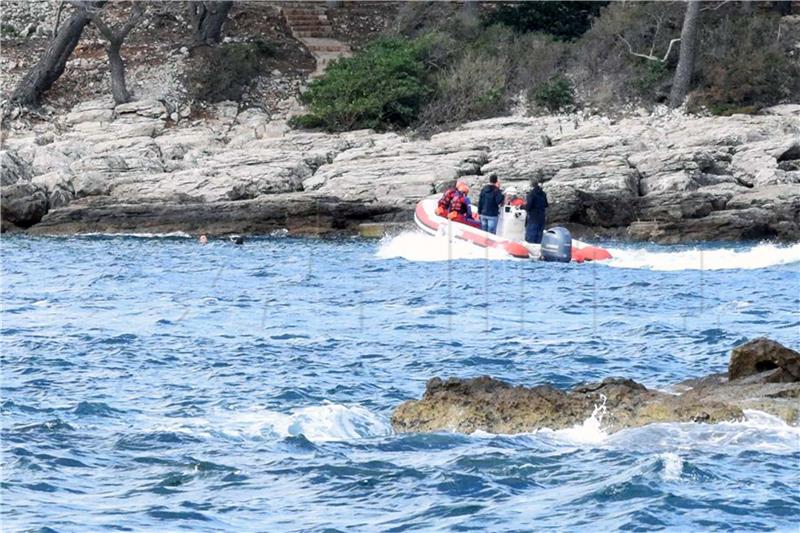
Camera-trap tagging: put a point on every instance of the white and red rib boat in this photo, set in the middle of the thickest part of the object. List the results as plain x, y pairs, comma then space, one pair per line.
510, 237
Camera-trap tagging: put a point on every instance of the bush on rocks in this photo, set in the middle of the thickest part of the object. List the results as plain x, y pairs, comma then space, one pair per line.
746, 63
555, 95
564, 20
383, 86
226, 71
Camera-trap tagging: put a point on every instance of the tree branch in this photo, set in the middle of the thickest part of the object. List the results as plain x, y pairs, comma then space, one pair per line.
669, 49
100, 24
650, 56
58, 18
114, 35
714, 8
136, 15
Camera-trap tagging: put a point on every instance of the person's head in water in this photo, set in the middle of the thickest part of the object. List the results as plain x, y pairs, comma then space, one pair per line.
203, 239
493, 180
238, 240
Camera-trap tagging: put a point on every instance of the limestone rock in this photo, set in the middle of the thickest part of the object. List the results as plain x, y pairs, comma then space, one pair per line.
13, 169
761, 355
24, 204
143, 108
669, 178
763, 375
783, 110
99, 110
487, 404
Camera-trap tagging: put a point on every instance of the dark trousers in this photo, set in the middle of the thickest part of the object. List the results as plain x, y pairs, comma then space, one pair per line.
533, 232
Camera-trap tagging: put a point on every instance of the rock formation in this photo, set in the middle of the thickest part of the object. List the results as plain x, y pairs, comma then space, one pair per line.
763, 375
667, 178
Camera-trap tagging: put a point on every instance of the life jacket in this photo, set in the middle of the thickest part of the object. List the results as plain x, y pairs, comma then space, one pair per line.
458, 203
443, 207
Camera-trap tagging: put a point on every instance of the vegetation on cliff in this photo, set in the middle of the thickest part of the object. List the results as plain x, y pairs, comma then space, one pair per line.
438, 64
727, 57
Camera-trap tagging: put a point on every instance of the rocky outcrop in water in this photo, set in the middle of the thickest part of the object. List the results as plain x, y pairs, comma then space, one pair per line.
764, 375
667, 178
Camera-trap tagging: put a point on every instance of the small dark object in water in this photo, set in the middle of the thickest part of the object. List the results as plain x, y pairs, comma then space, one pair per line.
238, 240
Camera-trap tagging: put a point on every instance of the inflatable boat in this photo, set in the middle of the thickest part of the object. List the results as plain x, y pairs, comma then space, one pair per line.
557, 243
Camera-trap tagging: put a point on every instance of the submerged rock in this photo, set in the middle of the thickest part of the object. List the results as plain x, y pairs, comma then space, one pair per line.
763, 379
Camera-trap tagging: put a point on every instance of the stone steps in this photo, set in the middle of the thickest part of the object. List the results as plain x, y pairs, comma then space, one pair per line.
309, 24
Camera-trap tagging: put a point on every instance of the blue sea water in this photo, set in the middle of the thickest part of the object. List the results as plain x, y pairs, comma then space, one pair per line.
156, 384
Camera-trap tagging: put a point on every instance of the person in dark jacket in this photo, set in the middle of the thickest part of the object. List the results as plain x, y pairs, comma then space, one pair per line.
489, 205
536, 205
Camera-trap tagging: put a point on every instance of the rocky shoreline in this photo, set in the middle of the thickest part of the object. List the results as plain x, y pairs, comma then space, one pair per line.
663, 177
762, 375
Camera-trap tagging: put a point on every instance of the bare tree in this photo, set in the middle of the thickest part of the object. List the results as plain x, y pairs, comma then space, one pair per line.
115, 35
659, 20
683, 72
51, 65
207, 19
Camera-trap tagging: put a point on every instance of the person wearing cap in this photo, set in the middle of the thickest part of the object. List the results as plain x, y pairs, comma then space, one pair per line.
535, 205
489, 204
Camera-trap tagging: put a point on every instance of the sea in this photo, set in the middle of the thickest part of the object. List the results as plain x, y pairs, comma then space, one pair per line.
150, 383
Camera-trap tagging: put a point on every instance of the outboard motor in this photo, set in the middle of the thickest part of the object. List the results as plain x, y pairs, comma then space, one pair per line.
557, 245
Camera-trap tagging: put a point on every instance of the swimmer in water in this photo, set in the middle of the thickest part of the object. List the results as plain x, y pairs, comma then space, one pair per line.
203, 239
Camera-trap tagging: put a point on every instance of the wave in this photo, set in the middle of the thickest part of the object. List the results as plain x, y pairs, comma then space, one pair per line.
759, 256
758, 431
138, 235
419, 246
317, 423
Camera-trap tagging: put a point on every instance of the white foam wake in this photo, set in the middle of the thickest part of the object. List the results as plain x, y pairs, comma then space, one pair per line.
419, 246
760, 256
317, 423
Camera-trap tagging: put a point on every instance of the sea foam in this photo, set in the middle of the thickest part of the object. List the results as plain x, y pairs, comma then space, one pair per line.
317, 423
419, 246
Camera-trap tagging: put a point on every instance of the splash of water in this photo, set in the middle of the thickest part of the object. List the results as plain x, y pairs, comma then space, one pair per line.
419, 246
317, 423
590, 431
672, 466
759, 256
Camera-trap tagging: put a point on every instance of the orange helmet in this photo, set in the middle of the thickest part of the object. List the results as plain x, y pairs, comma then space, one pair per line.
462, 186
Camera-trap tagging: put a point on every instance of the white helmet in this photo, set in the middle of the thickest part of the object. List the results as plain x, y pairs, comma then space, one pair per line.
512, 191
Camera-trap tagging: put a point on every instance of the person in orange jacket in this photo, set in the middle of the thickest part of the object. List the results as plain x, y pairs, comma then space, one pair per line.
455, 205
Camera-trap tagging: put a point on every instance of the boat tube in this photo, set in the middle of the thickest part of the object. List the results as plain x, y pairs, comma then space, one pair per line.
557, 244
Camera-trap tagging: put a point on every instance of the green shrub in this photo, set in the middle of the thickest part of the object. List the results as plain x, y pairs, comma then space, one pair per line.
555, 95
652, 75
382, 86
8, 31
564, 20
306, 122
225, 72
